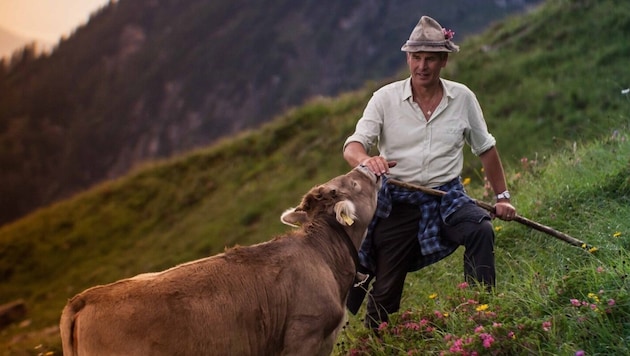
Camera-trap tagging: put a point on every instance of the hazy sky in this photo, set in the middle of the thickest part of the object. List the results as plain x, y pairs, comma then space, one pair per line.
47, 20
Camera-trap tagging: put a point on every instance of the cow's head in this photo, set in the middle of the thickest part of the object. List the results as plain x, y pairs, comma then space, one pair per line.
351, 198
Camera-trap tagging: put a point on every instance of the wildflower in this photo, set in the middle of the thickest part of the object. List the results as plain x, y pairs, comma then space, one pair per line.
487, 340
498, 228
594, 297
462, 285
580, 353
546, 325
449, 34
600, 269
592, 249
466, 181
575, 302
433, 295
623, 91
617, 234
383, 326
511, 335
611, 302
482, 307
478, 329
457, 346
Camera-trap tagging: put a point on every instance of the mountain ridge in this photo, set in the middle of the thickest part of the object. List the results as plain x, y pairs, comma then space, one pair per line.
143, 80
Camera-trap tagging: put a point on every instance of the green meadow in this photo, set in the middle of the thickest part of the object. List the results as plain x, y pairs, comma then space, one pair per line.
552, 84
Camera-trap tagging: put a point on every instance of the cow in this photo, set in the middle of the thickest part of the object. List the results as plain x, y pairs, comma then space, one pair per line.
285, 296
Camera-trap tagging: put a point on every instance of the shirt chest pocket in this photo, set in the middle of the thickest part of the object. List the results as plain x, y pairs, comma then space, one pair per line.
447, 140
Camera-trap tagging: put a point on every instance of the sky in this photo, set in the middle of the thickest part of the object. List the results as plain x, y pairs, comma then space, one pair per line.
46, 20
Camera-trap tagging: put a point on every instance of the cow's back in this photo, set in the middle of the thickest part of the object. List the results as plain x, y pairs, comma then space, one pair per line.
227, 302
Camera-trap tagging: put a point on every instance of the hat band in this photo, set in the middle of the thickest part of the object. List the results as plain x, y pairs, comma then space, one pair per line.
426, 43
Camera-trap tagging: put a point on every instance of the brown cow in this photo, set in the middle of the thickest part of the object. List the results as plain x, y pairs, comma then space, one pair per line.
281, 297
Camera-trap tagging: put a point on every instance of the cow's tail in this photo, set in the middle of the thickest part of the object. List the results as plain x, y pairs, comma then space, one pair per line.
68, 324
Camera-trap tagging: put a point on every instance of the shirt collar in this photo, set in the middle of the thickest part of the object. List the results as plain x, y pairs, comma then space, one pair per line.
408, 95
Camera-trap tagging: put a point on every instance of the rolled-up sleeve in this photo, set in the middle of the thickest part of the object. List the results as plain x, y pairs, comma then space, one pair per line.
369, 126
477, 136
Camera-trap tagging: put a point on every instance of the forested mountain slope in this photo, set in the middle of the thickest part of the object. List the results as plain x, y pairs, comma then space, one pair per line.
145, 79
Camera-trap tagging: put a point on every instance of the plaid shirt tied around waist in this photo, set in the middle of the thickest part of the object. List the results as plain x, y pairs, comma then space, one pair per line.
435, 210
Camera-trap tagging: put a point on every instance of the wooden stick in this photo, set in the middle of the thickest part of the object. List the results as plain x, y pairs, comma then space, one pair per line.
534, 225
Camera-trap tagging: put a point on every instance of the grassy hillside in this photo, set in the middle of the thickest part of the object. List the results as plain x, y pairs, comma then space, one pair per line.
551, 298
545, 80
143, 80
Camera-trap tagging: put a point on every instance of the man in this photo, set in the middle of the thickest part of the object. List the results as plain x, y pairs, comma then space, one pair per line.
420, 125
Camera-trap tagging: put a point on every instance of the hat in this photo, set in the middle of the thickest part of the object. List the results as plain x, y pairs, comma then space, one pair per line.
430, 36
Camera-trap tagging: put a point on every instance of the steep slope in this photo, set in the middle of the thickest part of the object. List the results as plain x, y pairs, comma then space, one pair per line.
145, 79
234, 191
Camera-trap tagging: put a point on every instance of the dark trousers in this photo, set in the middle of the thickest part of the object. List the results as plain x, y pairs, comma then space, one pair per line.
396, 248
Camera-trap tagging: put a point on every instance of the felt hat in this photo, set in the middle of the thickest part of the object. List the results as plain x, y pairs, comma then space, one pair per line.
430, 36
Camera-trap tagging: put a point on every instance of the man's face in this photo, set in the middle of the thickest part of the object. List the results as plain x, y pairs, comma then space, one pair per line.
425, 67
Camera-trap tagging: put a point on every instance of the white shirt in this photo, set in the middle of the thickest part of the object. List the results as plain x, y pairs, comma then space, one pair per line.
428, 153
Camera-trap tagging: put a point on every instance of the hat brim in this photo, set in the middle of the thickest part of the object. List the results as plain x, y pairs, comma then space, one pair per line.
446, 46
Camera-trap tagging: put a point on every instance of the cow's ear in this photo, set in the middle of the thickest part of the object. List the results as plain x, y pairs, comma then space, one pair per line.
293, 217
345, 212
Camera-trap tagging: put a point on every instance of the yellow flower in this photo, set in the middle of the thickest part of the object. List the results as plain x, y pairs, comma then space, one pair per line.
433, 296
592, 249
594, 297
482, 307
584, 246
445, 315
617, 234
466, 181
498, 228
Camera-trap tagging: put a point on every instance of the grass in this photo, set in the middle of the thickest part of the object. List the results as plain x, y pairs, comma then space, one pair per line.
551, 298
563, 138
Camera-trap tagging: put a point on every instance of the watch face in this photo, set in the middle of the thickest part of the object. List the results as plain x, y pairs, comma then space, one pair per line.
504, 195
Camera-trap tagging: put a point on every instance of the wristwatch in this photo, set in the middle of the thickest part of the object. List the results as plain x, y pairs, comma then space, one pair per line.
504, 195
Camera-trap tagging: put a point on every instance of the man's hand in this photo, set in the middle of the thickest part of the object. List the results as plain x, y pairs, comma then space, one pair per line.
378, 165
504, 210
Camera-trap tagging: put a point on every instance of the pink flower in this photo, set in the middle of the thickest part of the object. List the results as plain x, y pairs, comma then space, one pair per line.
611, 302
462, 285
575, 302
579, 353
478, 329
383, 326
546, 325
600, 269
412, 326
448, 34
457, 346
487, 340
